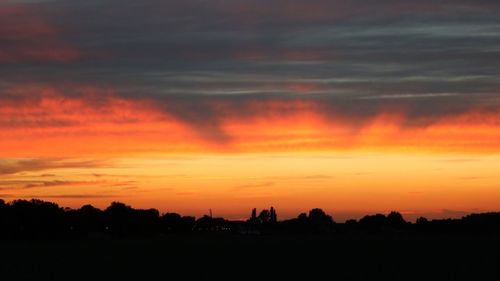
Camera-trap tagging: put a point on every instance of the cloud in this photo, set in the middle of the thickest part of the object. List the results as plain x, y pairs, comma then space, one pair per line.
28, 36
32, 184
187, 83
61, 196
305, 177
254, 185
243, 122
21, 185
48, 184
16, 166
43, 184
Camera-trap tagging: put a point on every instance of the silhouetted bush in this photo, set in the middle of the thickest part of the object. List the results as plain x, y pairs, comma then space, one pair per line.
175, 223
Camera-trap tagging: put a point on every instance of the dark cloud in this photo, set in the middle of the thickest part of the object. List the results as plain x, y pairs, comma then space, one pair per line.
204, 61
27, 36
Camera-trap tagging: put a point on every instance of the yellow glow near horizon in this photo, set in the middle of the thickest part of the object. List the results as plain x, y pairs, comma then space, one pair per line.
344, 184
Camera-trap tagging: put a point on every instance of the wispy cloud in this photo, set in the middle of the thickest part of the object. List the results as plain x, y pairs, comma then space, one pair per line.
15, 166
60, 196
304, 177
44, 184
254, 185
32, 184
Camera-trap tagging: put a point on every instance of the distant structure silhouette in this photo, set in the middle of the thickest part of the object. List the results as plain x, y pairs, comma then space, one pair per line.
40, 219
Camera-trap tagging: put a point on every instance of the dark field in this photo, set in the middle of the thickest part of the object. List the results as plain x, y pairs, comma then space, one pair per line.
274, 257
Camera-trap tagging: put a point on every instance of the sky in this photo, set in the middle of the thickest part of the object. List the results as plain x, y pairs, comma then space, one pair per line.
353, 106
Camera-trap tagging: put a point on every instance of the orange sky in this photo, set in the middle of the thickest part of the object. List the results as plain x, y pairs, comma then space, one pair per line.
80, 152
101, 124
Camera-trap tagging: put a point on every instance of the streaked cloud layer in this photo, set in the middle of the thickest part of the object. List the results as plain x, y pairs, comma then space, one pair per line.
109, 79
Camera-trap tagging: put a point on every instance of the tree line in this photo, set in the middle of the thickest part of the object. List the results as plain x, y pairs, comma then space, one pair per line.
41, 219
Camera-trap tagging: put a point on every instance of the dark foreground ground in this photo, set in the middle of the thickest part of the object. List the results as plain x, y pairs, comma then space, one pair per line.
229, 257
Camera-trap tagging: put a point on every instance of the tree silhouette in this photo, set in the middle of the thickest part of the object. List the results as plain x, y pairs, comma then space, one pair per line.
319, 221
40, 219
264, 216
3, 215
302, 217
122, 219
209, 224
422, 221
373, 222
175, 223
273, 216
87, 219
396, 220
36, 217
253, 217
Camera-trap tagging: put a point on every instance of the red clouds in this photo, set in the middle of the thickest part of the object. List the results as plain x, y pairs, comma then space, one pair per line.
46, 122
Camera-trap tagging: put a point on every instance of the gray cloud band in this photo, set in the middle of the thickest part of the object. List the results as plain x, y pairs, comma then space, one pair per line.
202, 61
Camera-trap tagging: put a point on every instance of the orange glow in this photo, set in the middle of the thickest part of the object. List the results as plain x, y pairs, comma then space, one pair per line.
100, 123
287, 154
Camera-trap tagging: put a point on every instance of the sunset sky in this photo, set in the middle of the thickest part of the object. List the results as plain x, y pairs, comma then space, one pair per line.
356, 107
